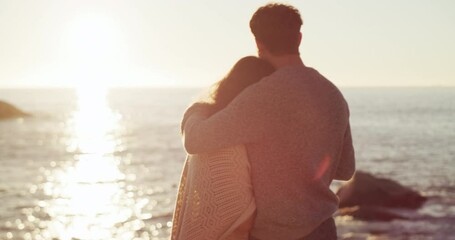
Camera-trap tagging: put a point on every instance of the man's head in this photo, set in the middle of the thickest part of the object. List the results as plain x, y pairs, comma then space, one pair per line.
276, 28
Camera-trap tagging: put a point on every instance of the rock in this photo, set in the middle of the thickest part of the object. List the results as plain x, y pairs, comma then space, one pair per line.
369, 213
9, 111
367, 190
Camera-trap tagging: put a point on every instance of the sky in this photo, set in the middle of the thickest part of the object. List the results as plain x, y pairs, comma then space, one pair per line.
194, 43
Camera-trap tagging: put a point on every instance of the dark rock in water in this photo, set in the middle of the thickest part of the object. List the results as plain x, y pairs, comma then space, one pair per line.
367, 190
369, 213
9, 111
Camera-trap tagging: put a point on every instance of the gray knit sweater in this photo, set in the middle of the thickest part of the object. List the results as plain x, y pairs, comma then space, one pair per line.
295, 125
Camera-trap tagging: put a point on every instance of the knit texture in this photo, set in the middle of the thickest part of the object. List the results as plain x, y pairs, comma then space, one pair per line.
215, 197
295, 126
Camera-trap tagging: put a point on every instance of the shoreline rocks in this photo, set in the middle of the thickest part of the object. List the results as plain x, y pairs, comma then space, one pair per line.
371, 213
371, 198
8, 111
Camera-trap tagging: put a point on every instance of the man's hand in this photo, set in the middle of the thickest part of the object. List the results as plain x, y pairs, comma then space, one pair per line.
197, 107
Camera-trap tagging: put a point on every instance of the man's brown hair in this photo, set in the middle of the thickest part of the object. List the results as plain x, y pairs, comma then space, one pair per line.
277, 26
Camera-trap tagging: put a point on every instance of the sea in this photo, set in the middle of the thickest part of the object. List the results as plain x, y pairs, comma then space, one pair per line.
105, 163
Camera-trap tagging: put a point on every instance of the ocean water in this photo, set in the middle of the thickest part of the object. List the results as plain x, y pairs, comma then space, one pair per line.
97, 164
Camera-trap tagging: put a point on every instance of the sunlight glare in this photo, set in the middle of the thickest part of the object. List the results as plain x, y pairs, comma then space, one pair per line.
96, 51
94, 122
90, 197
93, 36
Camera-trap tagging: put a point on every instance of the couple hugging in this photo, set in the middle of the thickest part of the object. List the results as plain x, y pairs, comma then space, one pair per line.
264, 150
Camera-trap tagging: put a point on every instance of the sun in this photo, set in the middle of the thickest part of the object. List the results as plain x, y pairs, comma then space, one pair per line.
93, 43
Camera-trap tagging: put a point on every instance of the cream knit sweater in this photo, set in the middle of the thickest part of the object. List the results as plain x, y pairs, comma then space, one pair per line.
215, 197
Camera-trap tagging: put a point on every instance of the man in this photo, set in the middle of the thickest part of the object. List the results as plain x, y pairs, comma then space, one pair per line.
295, 125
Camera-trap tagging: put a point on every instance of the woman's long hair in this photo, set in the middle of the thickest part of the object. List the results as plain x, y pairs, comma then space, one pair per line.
246, 71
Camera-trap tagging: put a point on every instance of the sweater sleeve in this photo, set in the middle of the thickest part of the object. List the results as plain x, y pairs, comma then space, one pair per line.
245, 120
346, 165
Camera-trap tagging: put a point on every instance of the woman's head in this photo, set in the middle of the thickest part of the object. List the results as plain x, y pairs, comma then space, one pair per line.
246, 71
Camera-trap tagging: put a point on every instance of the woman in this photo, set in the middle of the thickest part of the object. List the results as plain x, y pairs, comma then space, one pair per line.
215, 198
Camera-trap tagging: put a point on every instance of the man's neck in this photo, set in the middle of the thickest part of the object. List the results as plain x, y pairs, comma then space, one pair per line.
286, 60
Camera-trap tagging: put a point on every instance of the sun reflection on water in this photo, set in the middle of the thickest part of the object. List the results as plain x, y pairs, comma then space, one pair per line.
94, 124
92, 186
90, 198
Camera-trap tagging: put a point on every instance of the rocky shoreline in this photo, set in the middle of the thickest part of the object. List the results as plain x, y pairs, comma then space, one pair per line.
8, 111
367, 197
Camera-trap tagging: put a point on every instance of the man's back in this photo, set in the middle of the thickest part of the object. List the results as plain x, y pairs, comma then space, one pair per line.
294, 164
295, 124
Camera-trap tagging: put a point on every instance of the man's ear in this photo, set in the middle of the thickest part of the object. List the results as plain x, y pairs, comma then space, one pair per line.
300, 38
261, 47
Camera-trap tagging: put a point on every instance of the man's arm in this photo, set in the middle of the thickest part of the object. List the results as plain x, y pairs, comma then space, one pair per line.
346, 165
246, 119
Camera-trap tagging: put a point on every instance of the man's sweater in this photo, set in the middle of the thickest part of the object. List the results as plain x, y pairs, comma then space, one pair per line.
295, 125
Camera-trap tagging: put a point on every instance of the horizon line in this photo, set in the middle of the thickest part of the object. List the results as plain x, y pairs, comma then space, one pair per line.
202, 87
